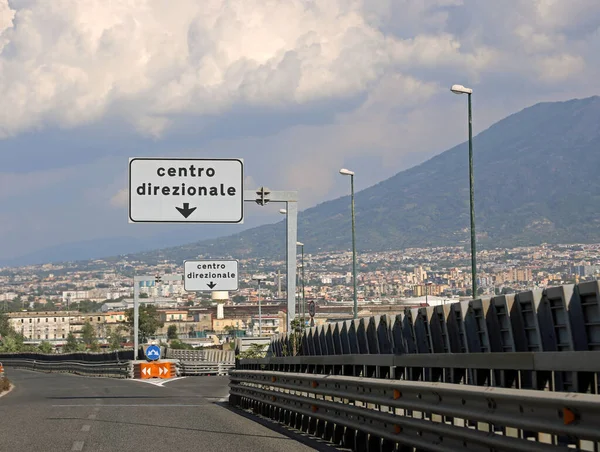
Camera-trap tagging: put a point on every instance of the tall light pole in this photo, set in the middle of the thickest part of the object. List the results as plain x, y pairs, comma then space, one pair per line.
459, 89
259, 278
301, 245
346, 172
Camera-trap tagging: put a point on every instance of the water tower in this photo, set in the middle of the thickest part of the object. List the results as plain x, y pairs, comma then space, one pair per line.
220, 296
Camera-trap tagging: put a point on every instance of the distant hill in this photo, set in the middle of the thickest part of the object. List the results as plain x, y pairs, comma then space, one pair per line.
536, 180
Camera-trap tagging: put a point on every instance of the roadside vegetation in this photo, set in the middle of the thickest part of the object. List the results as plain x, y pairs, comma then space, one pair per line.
13, 342
4, 384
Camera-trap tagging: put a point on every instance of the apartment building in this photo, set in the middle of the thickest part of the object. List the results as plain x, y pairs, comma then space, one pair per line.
186, 323
56, 325
45, 325
514, 275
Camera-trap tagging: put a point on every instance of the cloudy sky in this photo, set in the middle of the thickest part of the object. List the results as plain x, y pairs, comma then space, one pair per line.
297, 88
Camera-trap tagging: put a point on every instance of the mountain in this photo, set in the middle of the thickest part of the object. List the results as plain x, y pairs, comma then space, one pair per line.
536, 181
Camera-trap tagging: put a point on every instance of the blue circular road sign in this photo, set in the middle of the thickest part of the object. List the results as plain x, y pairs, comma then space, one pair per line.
153, 352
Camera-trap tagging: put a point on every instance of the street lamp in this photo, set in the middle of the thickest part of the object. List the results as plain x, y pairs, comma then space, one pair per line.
459, 89
346, 172
259, 278
301, 245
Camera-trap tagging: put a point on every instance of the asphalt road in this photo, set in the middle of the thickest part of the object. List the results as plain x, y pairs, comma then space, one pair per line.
63, 412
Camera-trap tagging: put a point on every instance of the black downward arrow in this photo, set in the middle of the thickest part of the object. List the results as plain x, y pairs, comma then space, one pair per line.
211, 284
185, 210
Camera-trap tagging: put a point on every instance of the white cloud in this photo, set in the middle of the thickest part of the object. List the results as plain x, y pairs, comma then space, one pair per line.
161, 66
70, 62
120, 199
559, 68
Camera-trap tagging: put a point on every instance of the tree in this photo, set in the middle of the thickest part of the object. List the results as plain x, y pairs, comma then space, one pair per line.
89, 306
11, 344
45, 347
89, 336
172, 332
72, 344
229, 328
115, 337
296, 328
176, 344
254, 351
5, 327
149, 321
239, 299
10, 341
144, 295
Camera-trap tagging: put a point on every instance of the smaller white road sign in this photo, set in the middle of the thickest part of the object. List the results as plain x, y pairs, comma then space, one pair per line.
209, 275
163, 190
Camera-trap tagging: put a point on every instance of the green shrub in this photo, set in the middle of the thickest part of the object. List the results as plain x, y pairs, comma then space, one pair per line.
4, 384
254, 351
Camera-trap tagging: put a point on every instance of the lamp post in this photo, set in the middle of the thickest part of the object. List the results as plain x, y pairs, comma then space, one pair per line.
459, 89
301, 245
259, 278
346, 172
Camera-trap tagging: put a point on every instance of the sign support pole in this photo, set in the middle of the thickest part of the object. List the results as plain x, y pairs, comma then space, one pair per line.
136, 316
262, 196
292, 239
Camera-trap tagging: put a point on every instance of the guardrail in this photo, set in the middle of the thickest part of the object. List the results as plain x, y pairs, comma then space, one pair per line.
112, 369
558, 371
375, 414
189, 368
212, 356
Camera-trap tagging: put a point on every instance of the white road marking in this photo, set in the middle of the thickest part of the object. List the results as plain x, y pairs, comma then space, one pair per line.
11, 387
158, 383
218, 399
77, 445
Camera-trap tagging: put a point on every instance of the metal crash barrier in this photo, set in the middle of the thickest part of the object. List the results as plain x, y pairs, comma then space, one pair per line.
202, 368
376, 414
122, 369
203, 362
518, 372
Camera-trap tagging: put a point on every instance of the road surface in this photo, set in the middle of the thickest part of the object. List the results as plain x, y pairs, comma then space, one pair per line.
63, 412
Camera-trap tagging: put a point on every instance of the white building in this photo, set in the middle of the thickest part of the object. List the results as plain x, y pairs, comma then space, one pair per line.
8, 296
75, 295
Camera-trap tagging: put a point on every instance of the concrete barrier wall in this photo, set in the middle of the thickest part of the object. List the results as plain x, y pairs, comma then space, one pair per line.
562, 318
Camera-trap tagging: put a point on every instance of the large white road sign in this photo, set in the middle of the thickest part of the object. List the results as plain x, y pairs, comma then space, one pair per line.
210, 275
178, 190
